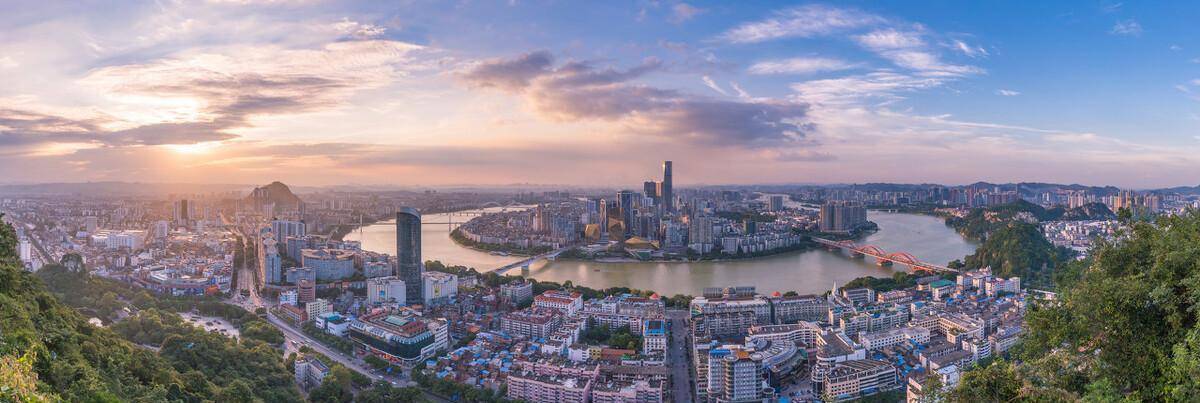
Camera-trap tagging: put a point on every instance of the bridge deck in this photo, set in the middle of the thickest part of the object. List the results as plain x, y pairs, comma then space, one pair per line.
881, 257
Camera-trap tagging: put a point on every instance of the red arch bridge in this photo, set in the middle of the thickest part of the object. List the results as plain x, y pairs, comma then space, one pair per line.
882, 257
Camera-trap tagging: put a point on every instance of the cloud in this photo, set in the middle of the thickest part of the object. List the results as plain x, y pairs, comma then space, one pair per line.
1126, 28
907, 49
578, 91
885, 86
358, 30
1007, 93
969, 50
510, 74
708, 81
683, 12
228, 88
26, 130
800, 65
801, 22
903, 44
890, 39
740, 92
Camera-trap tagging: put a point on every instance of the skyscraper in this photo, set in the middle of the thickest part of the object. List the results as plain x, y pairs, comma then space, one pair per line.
408, 253
625, 203
668, 194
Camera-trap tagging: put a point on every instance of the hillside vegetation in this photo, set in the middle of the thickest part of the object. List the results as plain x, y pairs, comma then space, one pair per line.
1125, 327
49, 352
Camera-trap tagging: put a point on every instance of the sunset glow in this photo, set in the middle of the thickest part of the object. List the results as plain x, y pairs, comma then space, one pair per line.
520, 91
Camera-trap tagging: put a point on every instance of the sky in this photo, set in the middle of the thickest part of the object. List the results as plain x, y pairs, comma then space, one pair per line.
425, 93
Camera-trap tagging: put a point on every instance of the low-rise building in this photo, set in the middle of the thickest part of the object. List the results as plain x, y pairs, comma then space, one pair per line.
310, 372
399, 338
569, 303
439, 288
857, 378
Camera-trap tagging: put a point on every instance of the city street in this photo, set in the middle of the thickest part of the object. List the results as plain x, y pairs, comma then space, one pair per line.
677, 356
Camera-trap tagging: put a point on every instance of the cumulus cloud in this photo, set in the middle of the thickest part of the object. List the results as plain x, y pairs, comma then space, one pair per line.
800, 65
803, 21
579, 91
1007, 93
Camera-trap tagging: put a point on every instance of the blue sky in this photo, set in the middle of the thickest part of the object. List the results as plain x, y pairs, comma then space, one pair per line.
480, 92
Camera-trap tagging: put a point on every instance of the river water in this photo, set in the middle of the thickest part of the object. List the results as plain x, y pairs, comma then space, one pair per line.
807, 272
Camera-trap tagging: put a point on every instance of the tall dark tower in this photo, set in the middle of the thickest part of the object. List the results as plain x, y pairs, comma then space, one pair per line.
408, 254
625, 202
668, 194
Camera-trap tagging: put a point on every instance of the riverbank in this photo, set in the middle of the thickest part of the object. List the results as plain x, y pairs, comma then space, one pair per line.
462, 240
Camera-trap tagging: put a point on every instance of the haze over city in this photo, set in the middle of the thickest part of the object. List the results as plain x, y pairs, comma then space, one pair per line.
438, 93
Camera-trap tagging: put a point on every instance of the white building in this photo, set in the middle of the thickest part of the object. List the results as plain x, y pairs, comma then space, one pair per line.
317, 308
385, 290
288, 297
517, 292
439, 288
891, 337
566, 302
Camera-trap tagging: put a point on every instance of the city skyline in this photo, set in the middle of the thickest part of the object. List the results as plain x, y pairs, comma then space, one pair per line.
323, 93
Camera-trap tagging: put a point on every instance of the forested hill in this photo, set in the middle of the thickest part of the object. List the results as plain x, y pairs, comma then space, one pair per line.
49, 352
1126, 327
1012, 244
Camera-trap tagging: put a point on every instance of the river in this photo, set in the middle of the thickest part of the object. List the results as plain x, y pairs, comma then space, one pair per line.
808, 272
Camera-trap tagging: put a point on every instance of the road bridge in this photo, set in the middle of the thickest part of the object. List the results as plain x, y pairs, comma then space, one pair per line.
884, 258
551, 255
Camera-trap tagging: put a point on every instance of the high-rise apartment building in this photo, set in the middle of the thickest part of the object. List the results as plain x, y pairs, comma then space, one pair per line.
650, 190
842, 216
408, 254
181, 213
287, 228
